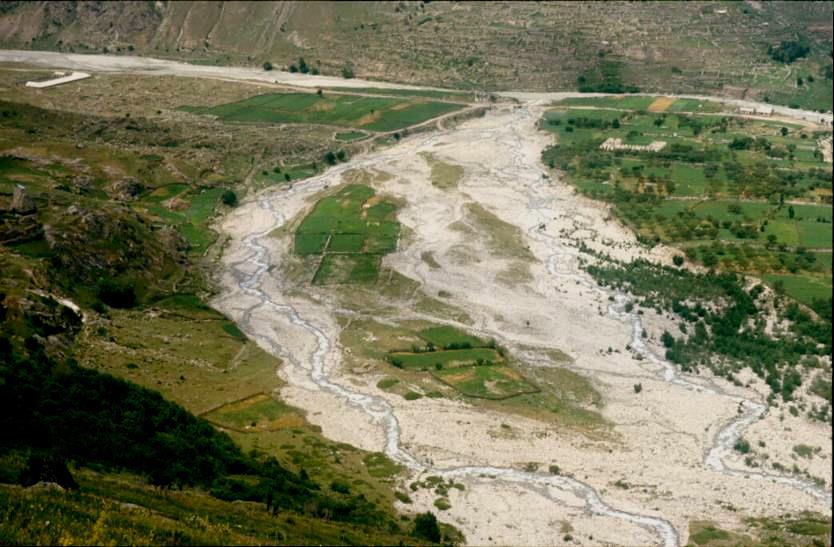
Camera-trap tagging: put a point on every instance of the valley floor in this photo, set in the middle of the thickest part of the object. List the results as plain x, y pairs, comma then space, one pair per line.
664, 463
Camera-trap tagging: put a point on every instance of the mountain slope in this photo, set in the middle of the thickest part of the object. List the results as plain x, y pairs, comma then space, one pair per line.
693, 46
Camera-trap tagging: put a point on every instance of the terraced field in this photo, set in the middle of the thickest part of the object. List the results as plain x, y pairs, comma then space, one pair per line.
742, 194
350, 230
360, 112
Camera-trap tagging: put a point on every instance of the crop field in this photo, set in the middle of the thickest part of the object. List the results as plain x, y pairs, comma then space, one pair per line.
803, 288
360, 112
191, 217
429, 93
486, 381
650, 104
351, 230
550, 394
453, 358
259, 412
740, 194
471, 366
449, 337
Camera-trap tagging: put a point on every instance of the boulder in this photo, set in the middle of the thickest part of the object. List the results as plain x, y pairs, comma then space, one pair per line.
21, 201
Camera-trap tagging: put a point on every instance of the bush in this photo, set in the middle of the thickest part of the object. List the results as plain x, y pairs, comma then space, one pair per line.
340, 486
347, 72
117, 294
47, 467
742, 446
267, 66
426, 527
788, 51
229, 198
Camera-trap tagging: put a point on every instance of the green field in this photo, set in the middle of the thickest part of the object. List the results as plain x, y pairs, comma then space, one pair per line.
455, 358
365, 113
740, 194
631, 102
488, 381
349, 136
192, 221
803, 288
351, 230
283, 175
448, 337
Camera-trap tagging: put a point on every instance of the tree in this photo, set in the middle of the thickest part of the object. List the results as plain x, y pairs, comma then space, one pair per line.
229, 198
638, 388
791, 212
347, 72
789, 51
678, 260
302, 66
117, 294
267, 66
667, 339
330, 157
426, 527
616, 123
784, 131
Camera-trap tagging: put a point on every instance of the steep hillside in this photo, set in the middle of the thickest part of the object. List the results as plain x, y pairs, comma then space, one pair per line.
119, 384
502, 45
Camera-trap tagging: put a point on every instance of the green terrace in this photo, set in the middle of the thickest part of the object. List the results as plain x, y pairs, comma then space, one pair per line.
735, 193
473, 367
370, 113
349, 231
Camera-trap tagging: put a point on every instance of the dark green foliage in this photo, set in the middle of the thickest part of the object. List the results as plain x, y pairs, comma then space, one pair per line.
789, 51
267, 66
117, 294
340, 486
604, 78
426, 527
742, 446
93, 418
59, 412
46, 466
727, 332
229, 198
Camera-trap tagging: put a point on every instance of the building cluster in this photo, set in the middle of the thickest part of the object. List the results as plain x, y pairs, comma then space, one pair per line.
761, 110
614, 143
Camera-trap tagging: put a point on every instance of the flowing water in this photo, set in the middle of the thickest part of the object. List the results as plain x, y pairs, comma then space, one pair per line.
559, 264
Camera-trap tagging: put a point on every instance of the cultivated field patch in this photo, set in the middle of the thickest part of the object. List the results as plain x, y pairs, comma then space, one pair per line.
259, 412
661, 104
486, 381
733, 193
350, 230
360, 112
